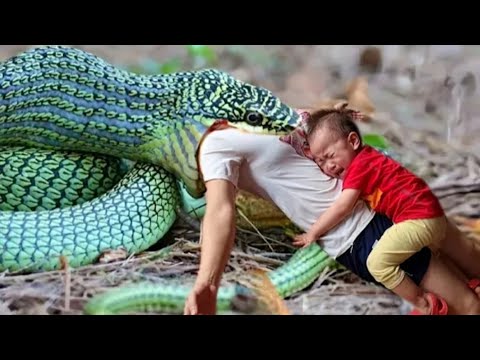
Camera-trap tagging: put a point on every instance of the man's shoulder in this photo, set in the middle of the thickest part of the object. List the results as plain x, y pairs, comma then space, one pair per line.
240, 140
219, 137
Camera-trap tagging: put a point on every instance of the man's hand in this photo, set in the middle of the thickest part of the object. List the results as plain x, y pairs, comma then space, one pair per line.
303, 240
218, 236
202, 300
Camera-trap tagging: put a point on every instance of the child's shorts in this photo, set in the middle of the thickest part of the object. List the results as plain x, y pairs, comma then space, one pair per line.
355, 258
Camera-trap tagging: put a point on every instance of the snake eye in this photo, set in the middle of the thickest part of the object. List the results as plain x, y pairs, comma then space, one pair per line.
254, 118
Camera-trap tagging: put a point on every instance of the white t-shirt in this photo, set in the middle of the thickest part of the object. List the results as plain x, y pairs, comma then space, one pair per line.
270, 168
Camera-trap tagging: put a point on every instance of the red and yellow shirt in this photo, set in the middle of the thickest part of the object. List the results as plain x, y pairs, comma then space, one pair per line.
389, 188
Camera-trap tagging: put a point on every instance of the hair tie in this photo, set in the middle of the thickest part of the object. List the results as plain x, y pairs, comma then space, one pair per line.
340, 106
357, 115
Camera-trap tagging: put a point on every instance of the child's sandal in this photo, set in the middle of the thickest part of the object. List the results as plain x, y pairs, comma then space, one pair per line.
415, 312
473, 284
438, 306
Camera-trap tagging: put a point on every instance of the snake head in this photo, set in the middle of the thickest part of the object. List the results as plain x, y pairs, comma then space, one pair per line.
263, 112
219, 95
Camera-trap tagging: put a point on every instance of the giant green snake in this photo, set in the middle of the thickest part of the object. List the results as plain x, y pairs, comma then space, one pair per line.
68, 122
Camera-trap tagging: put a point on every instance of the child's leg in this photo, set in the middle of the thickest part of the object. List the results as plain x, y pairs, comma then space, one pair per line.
473, 283
412, 293
440, 276
462, 256
464, 252
398, 244
433, 275
453, 267
440, 280
355, 258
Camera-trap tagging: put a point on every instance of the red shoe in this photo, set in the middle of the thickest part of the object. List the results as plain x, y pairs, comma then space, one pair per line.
438, 305
473, 284
415, 312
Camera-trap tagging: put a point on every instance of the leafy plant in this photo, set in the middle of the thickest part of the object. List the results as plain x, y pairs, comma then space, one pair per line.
376, 140
201, 55
198, 56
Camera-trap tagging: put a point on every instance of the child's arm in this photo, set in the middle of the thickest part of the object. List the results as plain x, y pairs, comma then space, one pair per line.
330, 218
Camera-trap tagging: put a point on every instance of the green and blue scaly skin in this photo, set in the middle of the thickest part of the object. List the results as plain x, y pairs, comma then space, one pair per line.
65, 98
70, 118
37, 179
132, 215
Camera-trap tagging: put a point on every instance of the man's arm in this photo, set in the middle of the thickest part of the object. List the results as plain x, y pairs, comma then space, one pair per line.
218, 235
218, 231
337, 212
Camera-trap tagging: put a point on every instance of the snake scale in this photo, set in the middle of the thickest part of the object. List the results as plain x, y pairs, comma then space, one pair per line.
93, 158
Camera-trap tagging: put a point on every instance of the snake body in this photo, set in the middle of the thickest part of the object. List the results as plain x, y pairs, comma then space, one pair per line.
134, 214
169, 296
37, 179
67, 120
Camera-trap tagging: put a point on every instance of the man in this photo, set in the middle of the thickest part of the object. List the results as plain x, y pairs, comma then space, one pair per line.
230, 159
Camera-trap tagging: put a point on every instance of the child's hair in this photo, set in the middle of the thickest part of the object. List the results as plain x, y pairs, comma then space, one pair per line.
339, 119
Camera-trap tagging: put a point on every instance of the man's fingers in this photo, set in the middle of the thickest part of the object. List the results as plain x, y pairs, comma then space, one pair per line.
193, 309
190, 309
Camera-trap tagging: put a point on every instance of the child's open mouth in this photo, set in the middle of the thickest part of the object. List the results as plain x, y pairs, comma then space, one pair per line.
339, 173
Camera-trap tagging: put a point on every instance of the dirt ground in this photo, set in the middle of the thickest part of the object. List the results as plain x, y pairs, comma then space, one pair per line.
424, 99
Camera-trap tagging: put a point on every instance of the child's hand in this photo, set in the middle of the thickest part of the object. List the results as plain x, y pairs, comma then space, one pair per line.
303, 240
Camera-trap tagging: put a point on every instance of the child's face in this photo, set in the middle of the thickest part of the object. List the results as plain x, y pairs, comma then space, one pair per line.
333, 154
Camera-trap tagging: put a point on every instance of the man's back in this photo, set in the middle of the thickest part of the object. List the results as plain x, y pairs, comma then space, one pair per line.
265, 166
